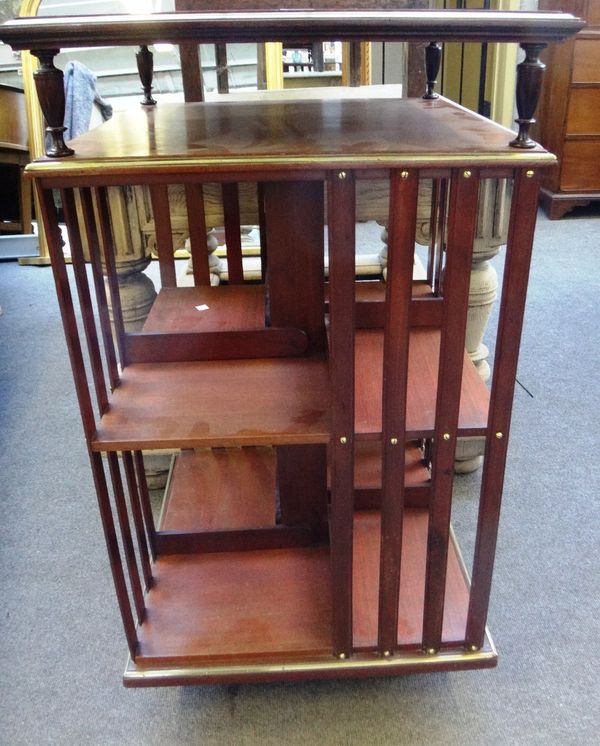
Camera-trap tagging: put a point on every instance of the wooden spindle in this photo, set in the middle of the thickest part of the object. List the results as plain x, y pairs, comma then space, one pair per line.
530, 74
159, 198
433, 59
233, 233
194, 199
464, 193
49, 84
91, 232
138, 519
341, 200
510, 324
145, 65
85, 302
404, 189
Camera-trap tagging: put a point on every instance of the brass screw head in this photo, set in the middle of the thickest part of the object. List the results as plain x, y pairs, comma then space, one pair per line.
467, 174
342, 656
446, 436
394, 441
499, 436
431, 651
473, 648
343, 440
342, 175
386, 653
404, 174
530, 174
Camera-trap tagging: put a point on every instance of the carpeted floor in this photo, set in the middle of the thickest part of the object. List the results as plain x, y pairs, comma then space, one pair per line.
62, 650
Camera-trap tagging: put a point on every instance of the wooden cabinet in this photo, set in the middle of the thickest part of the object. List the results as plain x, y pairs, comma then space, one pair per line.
305, 531
569, 116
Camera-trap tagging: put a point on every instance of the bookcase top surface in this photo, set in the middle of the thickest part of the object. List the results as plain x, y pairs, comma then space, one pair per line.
317, 134
362, 20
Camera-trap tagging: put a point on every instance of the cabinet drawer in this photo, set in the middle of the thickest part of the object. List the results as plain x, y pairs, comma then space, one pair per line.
581, 166
586, 61
583, 115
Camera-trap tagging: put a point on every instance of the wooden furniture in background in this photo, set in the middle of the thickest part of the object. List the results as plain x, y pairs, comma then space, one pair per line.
306, 530
570, 113
15, 191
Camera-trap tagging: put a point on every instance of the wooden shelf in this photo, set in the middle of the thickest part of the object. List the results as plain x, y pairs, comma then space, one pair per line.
273, 402
422, 386
232, 605
248, 138
220, 490
230, 308
217, 403
275, 606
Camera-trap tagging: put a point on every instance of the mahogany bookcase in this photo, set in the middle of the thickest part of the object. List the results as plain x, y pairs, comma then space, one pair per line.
305, 530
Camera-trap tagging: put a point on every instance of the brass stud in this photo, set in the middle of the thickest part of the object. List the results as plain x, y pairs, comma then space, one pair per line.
499, 436
431, 651
343, 440
342, 175
530, 174
473, 648
342, 656
467, 174
404, 174
394, 441
446, 436
386, 653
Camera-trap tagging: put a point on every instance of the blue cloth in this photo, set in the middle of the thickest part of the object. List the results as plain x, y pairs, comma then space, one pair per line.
80, 96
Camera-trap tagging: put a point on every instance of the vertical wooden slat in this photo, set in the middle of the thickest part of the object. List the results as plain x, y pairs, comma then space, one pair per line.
510, 324
65, 300
442, 208
85, 301
159, 197
262, 226
108, 253
91, 232
50, 219
145, 502
112, 545
138, 520
294, 222
433, 230
401, 248
128, 548
191, 72
341, 200
194, 199
222, 68
464, 191
233, 235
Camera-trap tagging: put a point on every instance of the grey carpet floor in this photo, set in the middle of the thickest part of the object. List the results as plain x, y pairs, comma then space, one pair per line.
61, 646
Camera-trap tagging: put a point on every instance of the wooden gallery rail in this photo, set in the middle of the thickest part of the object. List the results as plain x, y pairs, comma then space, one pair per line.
305, 531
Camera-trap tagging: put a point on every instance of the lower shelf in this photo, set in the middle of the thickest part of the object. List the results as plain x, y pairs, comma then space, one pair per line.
260, 615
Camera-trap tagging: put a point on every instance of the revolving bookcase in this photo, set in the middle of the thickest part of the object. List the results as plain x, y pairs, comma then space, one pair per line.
305, 529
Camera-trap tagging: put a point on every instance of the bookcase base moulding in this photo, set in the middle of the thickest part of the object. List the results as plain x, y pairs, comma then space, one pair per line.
305, 531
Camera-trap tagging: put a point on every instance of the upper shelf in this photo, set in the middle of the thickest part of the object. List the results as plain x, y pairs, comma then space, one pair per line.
256, 136
289, 26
